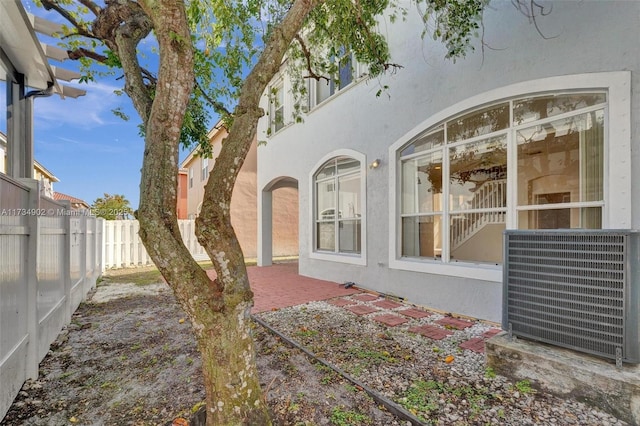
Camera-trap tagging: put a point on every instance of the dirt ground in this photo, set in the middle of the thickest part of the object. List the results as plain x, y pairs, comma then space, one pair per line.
128, 358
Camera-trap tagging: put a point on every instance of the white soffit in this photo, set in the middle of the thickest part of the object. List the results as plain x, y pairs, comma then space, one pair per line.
20, 44
70, 92
64, 74
53, 52
27, 54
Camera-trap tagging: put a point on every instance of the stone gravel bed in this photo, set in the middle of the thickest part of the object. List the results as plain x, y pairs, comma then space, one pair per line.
436, 380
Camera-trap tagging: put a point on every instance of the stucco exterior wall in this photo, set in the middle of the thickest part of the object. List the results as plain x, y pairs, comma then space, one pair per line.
244, 203
285, 222
583, 38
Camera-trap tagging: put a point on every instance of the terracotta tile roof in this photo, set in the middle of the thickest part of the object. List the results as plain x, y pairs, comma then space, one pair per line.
73, 200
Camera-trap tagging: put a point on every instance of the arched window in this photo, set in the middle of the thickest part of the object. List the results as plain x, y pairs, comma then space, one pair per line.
338, 206
533, 162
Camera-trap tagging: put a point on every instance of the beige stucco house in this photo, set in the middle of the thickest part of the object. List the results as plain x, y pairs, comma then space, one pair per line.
40, 173
244, 211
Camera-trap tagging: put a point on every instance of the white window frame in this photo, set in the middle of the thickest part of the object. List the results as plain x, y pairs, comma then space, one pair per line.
357, 72
278, 86
616, 212
205, 169
350, 258
190, 177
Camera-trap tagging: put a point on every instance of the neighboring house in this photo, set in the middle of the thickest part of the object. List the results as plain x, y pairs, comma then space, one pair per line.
3, 153
408, 194
181, 207
40, 173
243, 201
76, 203
46, 178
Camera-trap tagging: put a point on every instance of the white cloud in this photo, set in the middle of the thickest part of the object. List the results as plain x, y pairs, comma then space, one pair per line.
64, 144
89, 111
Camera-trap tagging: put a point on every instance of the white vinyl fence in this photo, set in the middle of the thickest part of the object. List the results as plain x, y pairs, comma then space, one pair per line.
50, 257
123, 248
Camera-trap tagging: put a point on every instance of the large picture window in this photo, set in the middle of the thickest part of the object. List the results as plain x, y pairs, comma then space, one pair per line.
338, 210
456, 177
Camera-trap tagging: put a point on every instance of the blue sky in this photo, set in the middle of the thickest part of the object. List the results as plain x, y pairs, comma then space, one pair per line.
81, 141
86, 146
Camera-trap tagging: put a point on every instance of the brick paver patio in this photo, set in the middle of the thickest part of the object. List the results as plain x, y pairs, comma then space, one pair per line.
341, 302
361, 309
475, 344
365, 297
415, 313
456, 323
279, 286
431, 331
390, 319
490, 333
387, 304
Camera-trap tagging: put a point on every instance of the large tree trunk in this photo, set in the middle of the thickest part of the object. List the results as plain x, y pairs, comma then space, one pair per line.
215, 233
218, 309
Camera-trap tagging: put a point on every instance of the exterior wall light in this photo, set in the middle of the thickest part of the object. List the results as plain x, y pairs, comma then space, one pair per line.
375, 164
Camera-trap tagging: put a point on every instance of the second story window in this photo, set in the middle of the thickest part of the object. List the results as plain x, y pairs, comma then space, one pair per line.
190, 177
276, 107
323, 89
205, 169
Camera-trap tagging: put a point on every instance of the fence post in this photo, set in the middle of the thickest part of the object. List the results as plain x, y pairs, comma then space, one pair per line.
126, 243
32, 278
91, 249
83, 255
106, 245
66, 271
135, 227
100, 245
117, 244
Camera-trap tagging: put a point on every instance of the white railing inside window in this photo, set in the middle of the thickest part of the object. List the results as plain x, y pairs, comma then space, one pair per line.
489, 195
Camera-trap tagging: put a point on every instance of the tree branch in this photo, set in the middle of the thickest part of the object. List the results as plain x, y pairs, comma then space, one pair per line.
86, 53
532, 9
80, 28
307, 56
93, 7
217, 105
122, 25
213, 225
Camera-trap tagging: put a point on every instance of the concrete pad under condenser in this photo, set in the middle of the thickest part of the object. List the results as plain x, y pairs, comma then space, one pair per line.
566, 373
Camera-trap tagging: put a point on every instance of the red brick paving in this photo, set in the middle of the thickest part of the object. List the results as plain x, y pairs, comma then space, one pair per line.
365, 297
341, 302
491, 332
431, 331
390, 319
414, 313
456, 323
279, 286
387, 304
475, 344
361, 309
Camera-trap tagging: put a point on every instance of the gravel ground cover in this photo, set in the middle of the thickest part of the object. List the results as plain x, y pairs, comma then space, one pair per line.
128, 358
436, 380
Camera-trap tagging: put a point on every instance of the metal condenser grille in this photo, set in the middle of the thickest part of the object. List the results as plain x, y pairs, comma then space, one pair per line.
568, 288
